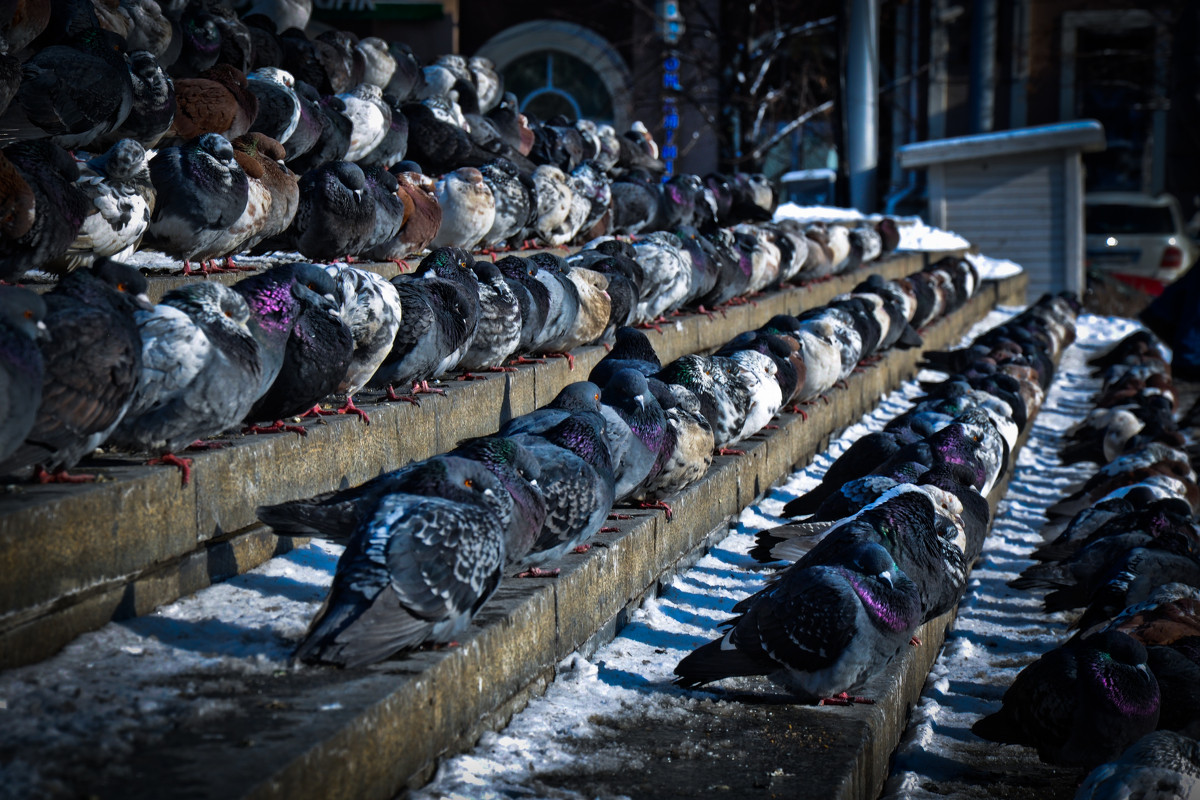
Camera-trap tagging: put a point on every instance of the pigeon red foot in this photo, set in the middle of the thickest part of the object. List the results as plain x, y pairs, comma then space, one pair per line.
581, 549
570, 358
846, 699
275, 427
407, 398
170, 459
538, 572
730, 451
659, 504
348, 407
620, 516
524, 360
61, 476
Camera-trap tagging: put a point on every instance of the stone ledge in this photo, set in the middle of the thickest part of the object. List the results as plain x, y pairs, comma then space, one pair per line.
392, 722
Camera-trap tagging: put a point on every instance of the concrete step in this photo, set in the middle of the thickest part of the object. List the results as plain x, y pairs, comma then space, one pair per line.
79, 556
366, 733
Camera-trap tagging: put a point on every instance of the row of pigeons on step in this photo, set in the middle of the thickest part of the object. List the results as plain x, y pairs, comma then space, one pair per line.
895, 525
1130, 555
116, 370
332, 147
428, 544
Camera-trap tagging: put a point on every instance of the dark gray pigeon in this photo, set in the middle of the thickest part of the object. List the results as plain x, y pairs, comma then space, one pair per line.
498, 333
820, 631
416, 570
201, 191
93, 361
21, 325
439, 313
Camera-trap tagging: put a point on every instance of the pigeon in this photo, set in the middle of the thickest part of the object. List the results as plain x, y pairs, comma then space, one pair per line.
1163, 764
370, 306
393, 147
725, 399
669, 275
272, 176
498, 333
572, 398
329, 124
416, 570
153, 109
514, 202
468, 209
370, 119
628, 394
1080, 704
200, 42
217, 102
59, 206
820, 631
595, 307
422, 218
318, 350
21, 366
92, 361
201, 192
440, 312
562, 303
336, 216
73, 93
635, 203
689, 455
576, 481
1129, 579
632, 350
117, 185
201, 372
378, 62
383, 188
278, 106
590, 183
17, 211
757, 374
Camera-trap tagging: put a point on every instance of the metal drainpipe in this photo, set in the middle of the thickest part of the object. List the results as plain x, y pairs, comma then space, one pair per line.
862, 101
913, 32
983, 65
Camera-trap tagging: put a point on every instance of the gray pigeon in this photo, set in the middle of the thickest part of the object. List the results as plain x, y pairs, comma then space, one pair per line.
416, 570
21, 325
498, 333
201, 372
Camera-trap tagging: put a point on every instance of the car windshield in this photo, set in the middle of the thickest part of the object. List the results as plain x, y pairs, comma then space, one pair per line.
1114, 218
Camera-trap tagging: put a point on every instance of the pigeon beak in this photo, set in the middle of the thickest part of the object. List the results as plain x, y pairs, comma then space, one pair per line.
143, 300
887, 577
641, 400
534, 483
42, 331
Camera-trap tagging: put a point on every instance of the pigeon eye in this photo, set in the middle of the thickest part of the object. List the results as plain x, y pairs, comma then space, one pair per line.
467, 483
28, 314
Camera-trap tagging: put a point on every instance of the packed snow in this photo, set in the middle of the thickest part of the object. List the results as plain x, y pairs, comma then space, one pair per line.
915, 234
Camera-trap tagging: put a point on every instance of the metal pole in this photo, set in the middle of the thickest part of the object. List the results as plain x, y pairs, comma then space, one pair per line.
862, 101
983, 65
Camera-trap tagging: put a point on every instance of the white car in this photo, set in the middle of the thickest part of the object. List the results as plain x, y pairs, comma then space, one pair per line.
1138, 238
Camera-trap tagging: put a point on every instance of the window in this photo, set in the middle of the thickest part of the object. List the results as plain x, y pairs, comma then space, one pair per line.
548, 82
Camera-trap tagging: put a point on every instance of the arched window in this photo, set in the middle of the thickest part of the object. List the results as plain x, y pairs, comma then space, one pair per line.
561, 68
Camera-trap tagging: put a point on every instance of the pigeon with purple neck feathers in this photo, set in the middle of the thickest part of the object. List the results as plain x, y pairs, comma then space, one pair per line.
576, 481
318, 348
628, 394
821, 631
1080, 704
201, 192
